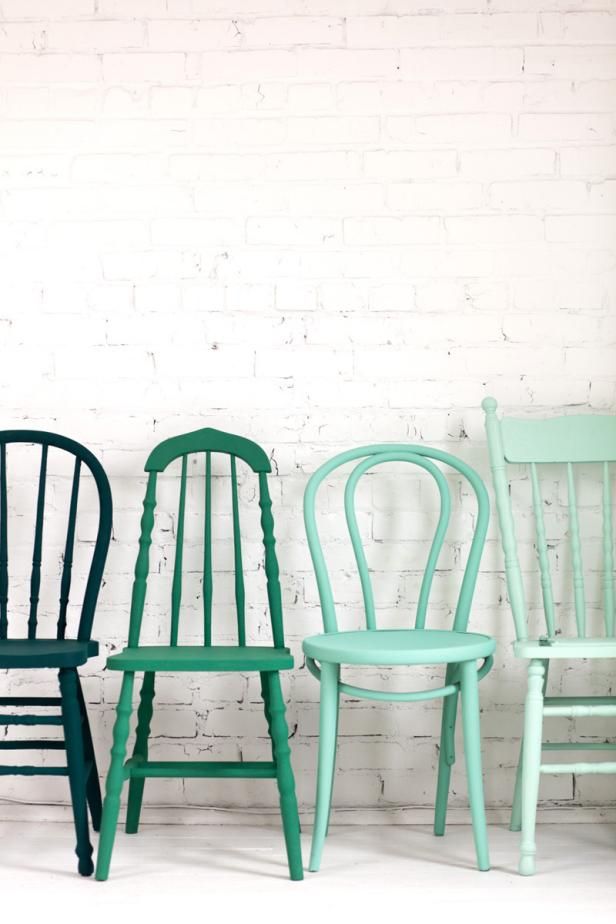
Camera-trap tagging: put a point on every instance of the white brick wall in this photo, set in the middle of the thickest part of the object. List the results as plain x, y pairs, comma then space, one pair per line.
319, 225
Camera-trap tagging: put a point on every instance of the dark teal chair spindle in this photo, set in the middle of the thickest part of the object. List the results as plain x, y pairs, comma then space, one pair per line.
62, 653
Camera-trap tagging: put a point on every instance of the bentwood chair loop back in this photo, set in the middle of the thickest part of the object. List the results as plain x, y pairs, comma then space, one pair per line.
67, 649
564, 442
458, 649
208, 657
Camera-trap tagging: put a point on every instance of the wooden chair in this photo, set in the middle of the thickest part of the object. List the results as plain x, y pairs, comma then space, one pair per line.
268, 661
458, 649
62, 653
564, 441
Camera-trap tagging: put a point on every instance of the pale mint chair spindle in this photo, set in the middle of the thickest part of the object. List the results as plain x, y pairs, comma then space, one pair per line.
458, 649
565, 441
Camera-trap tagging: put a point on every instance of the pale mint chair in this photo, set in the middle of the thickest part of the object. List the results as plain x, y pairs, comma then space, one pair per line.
533, 443
458, 649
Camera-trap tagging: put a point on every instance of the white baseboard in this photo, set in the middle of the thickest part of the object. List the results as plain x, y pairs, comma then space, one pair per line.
390, 815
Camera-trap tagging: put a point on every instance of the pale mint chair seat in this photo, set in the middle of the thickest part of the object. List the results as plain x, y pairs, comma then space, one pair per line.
328, 655
565, 648
399, 646
563, 442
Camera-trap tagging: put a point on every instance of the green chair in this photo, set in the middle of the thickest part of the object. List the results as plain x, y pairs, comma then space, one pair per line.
562, 441
268, 661
64, 652
458, 649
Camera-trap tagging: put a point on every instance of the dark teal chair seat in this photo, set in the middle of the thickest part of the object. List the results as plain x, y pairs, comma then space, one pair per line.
399, 646
45, 652
60, 653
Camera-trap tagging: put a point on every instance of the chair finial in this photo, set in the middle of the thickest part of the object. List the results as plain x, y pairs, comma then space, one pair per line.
489, 405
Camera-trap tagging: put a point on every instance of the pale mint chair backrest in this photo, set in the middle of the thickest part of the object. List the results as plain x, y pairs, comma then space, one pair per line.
425, 458
568, 440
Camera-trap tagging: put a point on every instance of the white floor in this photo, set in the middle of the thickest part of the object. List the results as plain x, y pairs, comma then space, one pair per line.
209, 870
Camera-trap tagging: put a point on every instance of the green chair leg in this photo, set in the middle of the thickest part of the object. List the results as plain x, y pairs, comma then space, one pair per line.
472, 752
115, 777
284, 776
93, 787
77, 769
144, 718
533, 723
266, 707
330, 674
446, 757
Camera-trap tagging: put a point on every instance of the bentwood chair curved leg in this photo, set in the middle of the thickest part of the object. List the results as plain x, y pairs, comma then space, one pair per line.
284, 776
446, 757
144, 718
77, 770
328, 724
115, 777
472, 752
533, 724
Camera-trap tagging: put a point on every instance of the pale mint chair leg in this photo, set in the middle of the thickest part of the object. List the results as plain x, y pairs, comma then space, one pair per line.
446, 757
515, 823
115, 777
472, 752
328, 723
533, 722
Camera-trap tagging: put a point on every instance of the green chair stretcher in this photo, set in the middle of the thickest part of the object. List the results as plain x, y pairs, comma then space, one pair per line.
458, 649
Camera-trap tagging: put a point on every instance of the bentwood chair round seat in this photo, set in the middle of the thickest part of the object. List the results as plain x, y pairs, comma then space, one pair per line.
398, 646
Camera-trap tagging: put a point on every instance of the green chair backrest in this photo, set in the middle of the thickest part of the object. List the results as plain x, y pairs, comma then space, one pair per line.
564, 440
425, 458
207, 441
101, 545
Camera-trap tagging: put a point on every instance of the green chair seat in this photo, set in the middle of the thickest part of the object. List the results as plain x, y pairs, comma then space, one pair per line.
45, 652
398, 646
198, 658
565, 648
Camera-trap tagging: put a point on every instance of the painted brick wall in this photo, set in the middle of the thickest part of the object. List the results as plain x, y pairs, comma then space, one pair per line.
319, 225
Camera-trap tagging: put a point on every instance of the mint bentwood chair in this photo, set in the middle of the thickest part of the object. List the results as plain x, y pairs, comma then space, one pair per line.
71, 645
563, 441
458, 649
267, 660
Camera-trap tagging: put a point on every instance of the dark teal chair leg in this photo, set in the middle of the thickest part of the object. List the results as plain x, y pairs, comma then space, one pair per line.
76, 763
93, 787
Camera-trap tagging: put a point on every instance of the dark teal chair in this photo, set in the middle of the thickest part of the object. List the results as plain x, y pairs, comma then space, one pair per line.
65, 652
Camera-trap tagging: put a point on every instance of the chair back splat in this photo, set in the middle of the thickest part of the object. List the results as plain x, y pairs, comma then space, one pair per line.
207, 442
425, 458
564, 441
82, 457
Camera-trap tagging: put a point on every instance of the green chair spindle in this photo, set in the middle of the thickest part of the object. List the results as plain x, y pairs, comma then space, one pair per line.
240, 593
542, 552
35, 579
208, 579
268, 661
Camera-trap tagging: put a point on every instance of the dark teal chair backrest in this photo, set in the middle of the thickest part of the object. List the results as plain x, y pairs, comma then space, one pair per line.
82, 456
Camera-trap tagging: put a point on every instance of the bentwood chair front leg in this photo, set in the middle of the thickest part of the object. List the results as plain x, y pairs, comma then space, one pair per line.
328, 724
447, 754
472, 752
93, 787
115, 777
